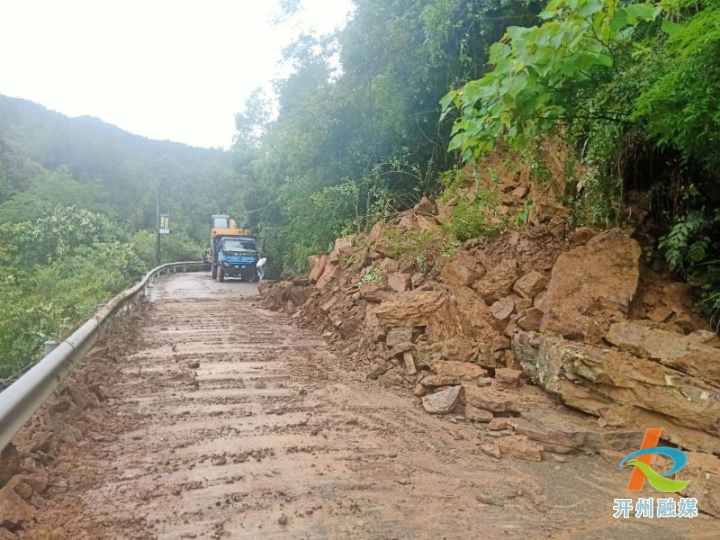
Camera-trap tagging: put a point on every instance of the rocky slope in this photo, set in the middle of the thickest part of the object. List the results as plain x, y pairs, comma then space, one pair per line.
573, 312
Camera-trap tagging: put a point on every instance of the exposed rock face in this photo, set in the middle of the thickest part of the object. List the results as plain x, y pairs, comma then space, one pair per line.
442, 402
624, 390
669, 348
591, 286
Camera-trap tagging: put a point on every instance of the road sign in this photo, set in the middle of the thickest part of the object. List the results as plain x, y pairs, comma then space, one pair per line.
164, 224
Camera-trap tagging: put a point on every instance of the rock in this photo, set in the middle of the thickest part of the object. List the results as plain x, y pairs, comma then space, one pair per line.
399, 349
703, 471
530, 284
509, 377
409, 362
705, 337
622, 389
343, 247
457, 372
398, 335
425, 206
669, 348
520, 192
317, 265
442, 402
7, 535
374, 293
399, 281
82, 397
420, 390
414, 308
497, 282
461, 271
491, 449
327, 306
478, 415
417, 279
458, 348
380, 370
499, 424
329, 272
14, 511
592, 285
520, 447
490, 399
27, 485
473, 315
503, 308
531, 320
660, 314
9, 464
500, 343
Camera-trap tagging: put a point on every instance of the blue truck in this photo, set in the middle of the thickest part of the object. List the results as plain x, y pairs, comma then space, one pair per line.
233, 251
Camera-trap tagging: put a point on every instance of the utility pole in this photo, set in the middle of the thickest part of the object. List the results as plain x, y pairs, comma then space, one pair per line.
158, 246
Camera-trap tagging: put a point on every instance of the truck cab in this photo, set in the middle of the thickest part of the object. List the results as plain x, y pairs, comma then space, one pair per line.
234, 252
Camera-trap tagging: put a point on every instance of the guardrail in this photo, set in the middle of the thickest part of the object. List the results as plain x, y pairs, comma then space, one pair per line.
25, 396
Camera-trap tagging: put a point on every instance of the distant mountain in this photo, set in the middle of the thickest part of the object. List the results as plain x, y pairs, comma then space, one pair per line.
124, 167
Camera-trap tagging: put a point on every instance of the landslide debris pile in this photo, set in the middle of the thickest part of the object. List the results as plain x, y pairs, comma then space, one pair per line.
500, 331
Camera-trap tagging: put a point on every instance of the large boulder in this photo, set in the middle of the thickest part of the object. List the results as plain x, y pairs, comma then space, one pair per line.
414, 308
592, 286
671, 349
623, 390
461, 271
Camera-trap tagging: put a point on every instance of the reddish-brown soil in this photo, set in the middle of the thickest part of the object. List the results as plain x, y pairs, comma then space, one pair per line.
226, 421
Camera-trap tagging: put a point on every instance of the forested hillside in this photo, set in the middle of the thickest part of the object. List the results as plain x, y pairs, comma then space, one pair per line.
631, 88
77, 215
111, 170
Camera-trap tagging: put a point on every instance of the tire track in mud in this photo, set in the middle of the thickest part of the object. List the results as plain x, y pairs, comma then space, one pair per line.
231, 423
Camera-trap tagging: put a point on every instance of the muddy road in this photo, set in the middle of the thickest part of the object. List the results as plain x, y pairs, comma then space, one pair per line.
226, 421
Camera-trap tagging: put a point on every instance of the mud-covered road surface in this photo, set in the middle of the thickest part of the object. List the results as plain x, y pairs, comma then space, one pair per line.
226, 421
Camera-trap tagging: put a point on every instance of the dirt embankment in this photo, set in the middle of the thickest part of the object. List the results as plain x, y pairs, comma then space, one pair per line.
478, 329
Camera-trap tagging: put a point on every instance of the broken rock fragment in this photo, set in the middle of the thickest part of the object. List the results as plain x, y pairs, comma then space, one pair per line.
503, 308
410, 309
442, 402
397, 335
530, 284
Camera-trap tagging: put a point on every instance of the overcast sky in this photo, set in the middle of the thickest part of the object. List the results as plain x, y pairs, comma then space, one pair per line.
165, 69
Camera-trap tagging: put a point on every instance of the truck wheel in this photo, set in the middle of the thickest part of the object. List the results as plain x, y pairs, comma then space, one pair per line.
221, 275
213, 272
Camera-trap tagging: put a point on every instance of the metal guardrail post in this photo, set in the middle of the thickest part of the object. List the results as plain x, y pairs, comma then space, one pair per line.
20, 401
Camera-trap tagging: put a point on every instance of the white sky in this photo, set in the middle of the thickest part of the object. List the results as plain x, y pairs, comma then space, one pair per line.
165, 69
